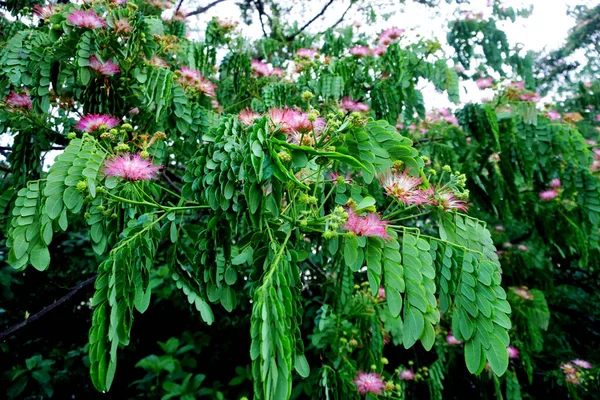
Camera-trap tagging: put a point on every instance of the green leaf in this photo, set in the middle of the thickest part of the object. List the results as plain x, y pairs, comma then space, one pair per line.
301, 365
39, 256
473, 355
351, 251
497, 355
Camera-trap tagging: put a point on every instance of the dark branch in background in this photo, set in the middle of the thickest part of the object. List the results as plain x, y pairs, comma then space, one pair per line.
204, 9
170, 182
306, 25
178, 6
51, 307
260, 7
339, 21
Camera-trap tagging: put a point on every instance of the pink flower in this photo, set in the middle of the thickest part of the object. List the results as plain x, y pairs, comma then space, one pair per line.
15, 100
400, 126
523, 292
337, 178
520, 85
134, 111
548, 194
162, 4
452, 120
190, 78
499, 228
278, 72
447, 200
598, 118
512, 352
582, 364
156, 61
118, 2
451, 340
306, 53
107, 68
369, 382
131, 167
226, 24
86, 19
530, 97
459, 68
407, 375
555, 183
381, 294
122, 26
247, 117
351, 105
259, 68
522, 247
379, 50
389, 35
403, 187
484, 83
371, 225
588, 84
553, 115
91, 122
360, 51
44, 12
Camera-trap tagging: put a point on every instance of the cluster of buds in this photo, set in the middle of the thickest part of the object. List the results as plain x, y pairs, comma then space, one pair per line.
334, 221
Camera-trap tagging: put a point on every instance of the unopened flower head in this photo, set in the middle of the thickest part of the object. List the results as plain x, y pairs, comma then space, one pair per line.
369, 382
86, 19
131, 167
91, 122
15, 100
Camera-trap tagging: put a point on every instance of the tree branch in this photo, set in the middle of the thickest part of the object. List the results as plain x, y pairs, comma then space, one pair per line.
51, 307
261, 11
339, 21
204, 9
306, 25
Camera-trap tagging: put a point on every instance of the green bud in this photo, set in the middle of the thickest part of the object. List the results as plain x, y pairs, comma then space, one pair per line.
373, 367
71, 135
81, 186
87, 215
114, 215
447, 168
284, 156
106, 136
385, 361
432, 172
144, 154
100, 208
113, 131
127, 127
307, 96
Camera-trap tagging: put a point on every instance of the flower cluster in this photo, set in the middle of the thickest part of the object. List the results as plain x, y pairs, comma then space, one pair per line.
551, 193
369, 382
131, 167
404, 188
390, 35
360, 51
297, 125
573, 370
442, 114
191, 78
369, 225
226, 24
86, 19
516, 91
446, 200
16, 101
107, 68
92, 122
523, 292
354, 106
306, 53
484, 83
259, 68
44, 12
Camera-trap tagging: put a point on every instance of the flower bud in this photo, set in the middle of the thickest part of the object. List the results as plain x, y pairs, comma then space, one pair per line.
71, 135
81, 186
307, 96
127, 127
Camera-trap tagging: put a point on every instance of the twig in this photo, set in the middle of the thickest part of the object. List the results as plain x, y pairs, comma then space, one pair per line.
171, 183
178, 6
261, 11
51, 307
306, 25
339, 21
204, 9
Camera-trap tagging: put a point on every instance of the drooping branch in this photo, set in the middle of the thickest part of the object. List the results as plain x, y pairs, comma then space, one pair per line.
202, 10
7, 333
341, 19
306, 25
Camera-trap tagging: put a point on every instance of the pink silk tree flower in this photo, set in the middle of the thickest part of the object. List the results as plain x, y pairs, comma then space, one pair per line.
306, 53
360, 51
547, 195
553, 115
484, 83
451, 340
189, 77
131, 167
371, 225
582, 364
523, 292
156, 61
247, 116
555, 183
369, 382
350, 105
519, 85
447, 200
91, 122
44, 12
530, 97
512, 352
403, 187
227, 24
381, 294
259, 68
379, 50
107, 68
86, 19
15, 100
407, 375
459, 68
122, 26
